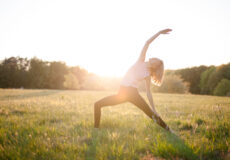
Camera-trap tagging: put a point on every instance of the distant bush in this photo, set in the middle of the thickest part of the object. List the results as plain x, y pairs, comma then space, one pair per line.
71, 81
223, 88
172, 84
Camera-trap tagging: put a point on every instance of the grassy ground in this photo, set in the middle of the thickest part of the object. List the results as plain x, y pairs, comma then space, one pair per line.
53, 124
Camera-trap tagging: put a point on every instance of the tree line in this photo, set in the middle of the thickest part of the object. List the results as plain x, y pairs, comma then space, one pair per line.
34, 73
211, 80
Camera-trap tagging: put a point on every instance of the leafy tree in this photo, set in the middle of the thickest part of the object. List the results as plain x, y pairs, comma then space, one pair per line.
223, 88
192, 76
56, 78
13, 72
224, 70
211, 77
204, 81
38, 73
80, 74
71, 81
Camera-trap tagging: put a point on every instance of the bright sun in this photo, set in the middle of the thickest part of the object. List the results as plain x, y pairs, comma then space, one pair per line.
103, 67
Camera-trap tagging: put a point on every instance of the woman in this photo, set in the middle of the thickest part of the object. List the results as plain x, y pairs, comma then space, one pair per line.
141, 70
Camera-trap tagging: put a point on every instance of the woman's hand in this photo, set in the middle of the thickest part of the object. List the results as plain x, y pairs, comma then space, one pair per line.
145, 48
165, 31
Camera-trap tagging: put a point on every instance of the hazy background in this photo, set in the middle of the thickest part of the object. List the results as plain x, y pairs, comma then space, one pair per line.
106, 37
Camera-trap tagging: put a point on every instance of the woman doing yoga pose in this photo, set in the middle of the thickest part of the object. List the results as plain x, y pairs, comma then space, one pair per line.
141, 70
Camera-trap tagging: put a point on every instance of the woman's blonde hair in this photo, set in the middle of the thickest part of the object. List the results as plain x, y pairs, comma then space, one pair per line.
156, 71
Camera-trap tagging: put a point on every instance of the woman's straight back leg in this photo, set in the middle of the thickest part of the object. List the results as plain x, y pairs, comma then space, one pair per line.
107, 101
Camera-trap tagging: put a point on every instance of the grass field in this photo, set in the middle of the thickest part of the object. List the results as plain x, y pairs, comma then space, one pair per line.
55, 124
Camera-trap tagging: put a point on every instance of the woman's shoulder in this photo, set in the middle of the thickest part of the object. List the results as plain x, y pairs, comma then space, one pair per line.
140, 63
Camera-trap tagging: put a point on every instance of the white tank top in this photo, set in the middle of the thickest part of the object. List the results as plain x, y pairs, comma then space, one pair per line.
135, 74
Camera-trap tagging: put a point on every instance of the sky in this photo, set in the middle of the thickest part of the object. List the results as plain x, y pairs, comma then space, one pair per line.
106, 37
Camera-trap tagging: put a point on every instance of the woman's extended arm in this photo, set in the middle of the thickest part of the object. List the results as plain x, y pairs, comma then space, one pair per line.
150, 40
155, 116
149, 94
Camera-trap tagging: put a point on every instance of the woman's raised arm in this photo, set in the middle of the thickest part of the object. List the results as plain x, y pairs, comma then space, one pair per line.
150, 40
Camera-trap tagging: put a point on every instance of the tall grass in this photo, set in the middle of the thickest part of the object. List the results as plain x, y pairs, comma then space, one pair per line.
53, 124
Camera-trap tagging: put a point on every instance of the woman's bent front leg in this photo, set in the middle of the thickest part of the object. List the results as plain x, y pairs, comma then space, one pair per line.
107, 101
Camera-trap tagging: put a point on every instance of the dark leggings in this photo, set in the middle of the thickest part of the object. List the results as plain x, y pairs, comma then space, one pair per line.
126, 94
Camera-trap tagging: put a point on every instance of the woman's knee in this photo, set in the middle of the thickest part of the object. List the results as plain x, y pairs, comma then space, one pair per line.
97, 105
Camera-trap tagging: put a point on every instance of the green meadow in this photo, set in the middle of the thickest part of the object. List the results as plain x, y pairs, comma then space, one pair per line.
58, 125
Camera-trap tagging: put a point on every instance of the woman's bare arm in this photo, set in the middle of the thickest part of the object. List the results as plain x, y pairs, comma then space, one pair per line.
150, 40
149, 94
155, 116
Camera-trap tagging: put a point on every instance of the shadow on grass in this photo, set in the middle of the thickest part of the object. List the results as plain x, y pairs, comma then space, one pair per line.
163, 144
171, 146
92, 145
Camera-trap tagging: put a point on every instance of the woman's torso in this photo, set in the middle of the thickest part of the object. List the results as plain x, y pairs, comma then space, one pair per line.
135, 74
